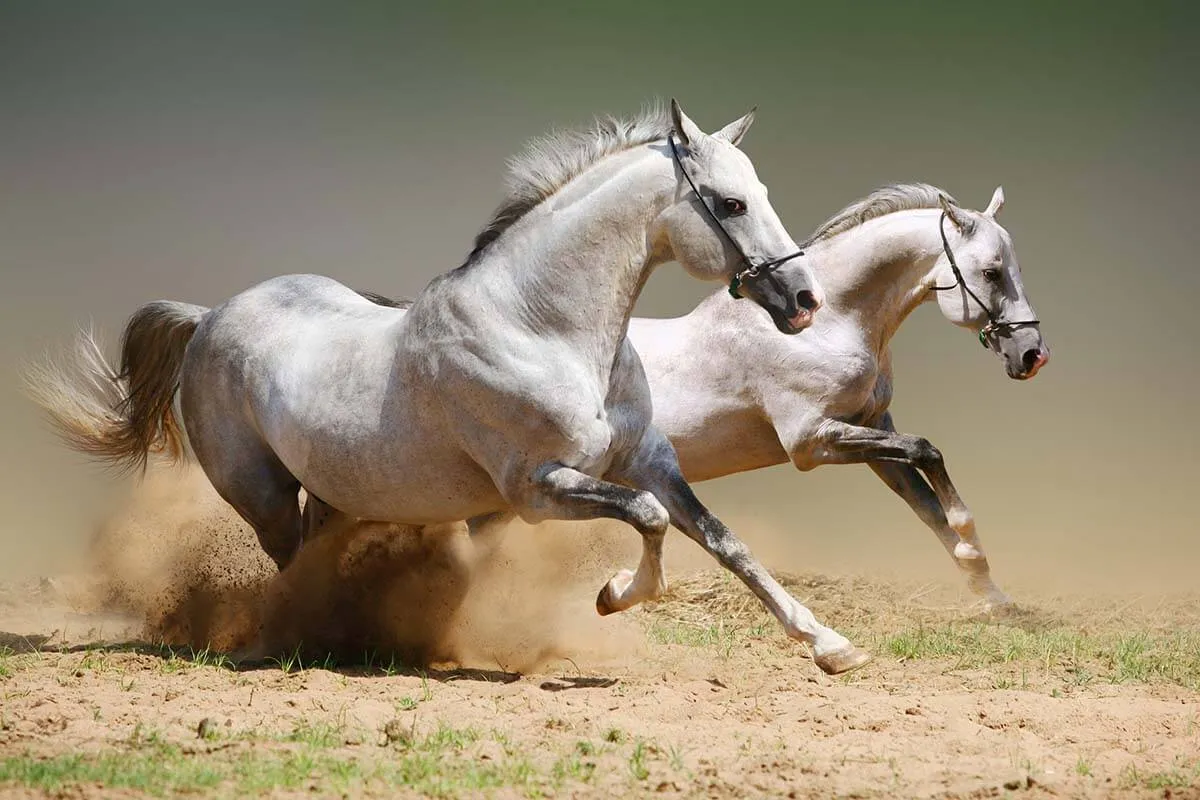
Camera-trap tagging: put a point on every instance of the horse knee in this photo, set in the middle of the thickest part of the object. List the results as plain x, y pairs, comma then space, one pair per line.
648, 515
926, 456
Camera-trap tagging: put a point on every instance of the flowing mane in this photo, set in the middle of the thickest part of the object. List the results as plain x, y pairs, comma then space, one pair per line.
884, 200
550, 162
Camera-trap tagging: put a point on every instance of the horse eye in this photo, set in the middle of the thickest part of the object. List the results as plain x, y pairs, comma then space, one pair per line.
991, 275
733, 206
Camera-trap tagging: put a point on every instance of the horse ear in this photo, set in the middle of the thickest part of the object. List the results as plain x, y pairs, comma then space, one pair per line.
996, 204
685, 129
734, 131
959, 217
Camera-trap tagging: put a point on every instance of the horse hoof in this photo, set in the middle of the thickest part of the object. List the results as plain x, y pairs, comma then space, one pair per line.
997, 608
605, 603
843, 660
614, 596
998, 604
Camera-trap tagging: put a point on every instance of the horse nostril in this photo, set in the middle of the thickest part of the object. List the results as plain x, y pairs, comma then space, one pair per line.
1030, 359
807, 300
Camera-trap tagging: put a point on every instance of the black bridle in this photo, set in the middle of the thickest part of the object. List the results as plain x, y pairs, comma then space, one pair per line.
751, 269
995, 325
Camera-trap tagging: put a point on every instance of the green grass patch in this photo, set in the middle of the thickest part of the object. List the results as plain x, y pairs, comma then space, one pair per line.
317, 736
723, 638
440, 763
1182, 776
1115, 657
160, 771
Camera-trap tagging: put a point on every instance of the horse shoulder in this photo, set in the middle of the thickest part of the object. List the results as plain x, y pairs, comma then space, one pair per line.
832, 370
495, 389
832, 375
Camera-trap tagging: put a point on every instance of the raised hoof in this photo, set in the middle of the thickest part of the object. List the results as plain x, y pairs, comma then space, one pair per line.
615, 595
841, 661
605, 603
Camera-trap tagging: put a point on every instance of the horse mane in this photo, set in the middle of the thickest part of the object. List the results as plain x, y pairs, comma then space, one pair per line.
551, 161
881, 202
384, 300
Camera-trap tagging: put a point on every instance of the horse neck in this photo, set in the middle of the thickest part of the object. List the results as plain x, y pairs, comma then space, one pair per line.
576, 264
880, 271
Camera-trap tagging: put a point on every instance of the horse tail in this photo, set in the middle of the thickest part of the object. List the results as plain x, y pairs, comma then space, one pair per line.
121, 417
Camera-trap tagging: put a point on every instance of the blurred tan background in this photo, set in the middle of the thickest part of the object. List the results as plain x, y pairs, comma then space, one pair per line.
173, 151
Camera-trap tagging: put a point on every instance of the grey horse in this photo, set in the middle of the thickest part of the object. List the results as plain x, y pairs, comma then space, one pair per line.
507, 387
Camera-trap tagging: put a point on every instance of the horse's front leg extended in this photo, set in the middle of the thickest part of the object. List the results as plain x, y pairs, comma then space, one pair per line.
564, 493
906, 481
657, 470
842, 443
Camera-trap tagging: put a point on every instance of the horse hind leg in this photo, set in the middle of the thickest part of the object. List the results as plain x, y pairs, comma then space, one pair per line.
265, 494
319, 518
272, 508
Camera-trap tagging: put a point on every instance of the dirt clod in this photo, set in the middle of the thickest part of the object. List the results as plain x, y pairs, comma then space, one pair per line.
207, 729
397, 732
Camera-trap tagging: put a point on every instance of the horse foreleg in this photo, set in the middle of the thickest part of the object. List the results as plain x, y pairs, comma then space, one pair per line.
843, 443
564, 493
905, 481
657, 470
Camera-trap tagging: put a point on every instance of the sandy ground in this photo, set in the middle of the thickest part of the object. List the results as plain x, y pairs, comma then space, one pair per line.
526, 691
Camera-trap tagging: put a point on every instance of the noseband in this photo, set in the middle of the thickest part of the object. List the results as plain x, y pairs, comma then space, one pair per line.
995, 325
751, 270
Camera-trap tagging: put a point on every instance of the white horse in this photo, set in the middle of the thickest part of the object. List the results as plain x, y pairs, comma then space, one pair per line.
507, 387
731, 396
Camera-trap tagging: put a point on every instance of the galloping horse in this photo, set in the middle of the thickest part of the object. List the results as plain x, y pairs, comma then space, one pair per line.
509, 385
822, 398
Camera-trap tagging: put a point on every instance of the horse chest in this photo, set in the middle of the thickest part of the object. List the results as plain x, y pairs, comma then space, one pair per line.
864, 397
837, 381
545, 401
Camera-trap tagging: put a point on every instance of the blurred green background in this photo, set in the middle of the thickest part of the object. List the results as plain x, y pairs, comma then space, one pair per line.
187, 151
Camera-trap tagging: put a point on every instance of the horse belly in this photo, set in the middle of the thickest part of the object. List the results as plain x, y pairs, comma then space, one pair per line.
398, 474
352, 437
723, 443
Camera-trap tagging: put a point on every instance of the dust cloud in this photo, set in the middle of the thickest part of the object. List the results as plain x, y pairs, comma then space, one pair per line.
182, 561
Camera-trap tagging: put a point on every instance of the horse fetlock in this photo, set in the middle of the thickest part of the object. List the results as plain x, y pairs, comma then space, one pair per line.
978, 570
962, 522
968, 551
